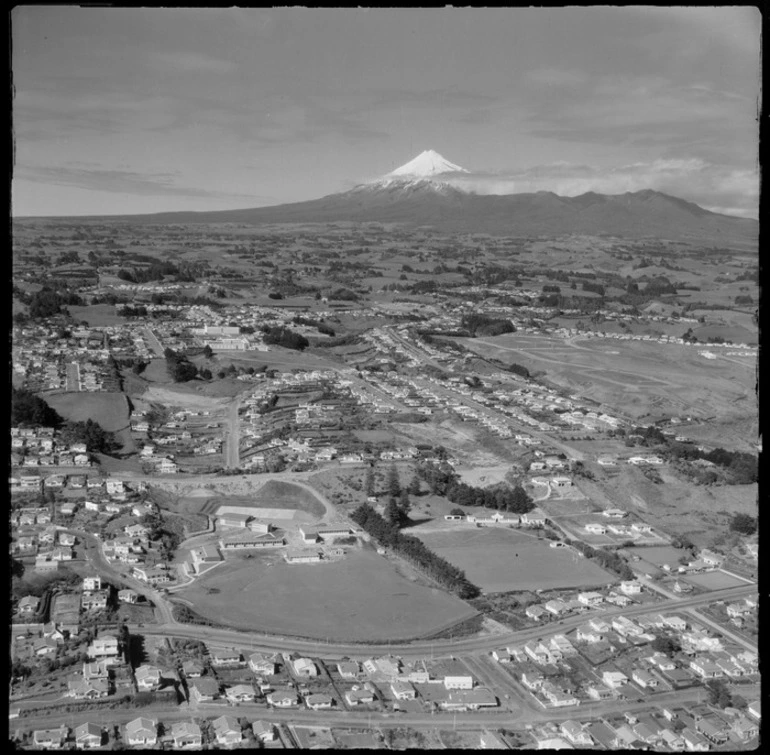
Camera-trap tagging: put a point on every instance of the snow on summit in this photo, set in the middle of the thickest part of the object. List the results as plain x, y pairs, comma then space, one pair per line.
426, 164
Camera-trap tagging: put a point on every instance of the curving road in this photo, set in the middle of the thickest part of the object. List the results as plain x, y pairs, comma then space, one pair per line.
423, 648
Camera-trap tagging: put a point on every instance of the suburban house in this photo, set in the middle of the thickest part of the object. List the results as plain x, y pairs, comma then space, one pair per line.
614, 679
92, 689
403, 691
264, 732
128, 596
590, 598
147, 677
141, 731
227, 730
319, 701
186, 734
575, 733
224, 658
260, 663
359, 696
50, 739
283, 698
104, 646
240, 693
88, 735
348, 669
304, 667
204, 689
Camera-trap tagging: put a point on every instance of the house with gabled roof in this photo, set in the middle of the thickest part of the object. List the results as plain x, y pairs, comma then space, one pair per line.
576, 733
227, 731
263, 731
88, 735
241, 693
141, 731
186, 734
50, 739
203, 689
283, 698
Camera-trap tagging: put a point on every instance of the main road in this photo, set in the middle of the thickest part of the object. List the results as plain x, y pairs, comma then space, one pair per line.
468, 720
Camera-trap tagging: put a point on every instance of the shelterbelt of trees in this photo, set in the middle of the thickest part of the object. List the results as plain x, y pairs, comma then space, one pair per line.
414, 550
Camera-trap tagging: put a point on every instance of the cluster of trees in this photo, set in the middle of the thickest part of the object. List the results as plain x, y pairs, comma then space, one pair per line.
443, 480
595, 288
414, 551
743, 524
48, 302
482, 325
138, 310
742, 467
96, 438
158, 532
284, 337
180, 368
29, 410
344, 294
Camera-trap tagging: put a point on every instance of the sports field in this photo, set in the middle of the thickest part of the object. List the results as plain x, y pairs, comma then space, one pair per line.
504, 560
360, 597
715, 580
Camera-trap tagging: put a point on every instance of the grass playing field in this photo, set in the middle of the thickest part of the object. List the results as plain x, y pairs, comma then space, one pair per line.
503, 560
360, 597
715, 580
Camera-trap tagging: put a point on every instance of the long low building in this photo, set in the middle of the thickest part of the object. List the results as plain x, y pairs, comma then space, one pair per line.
252, 541
303, 557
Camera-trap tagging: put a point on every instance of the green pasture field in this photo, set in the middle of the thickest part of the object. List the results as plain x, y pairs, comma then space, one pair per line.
110, 410
503, 560
360, 597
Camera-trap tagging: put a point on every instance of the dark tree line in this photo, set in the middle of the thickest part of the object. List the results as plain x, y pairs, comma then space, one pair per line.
29, 410
414, 551
281, 336
607, 559
482, 325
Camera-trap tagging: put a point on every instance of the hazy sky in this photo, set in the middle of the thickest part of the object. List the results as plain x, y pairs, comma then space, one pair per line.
145, 110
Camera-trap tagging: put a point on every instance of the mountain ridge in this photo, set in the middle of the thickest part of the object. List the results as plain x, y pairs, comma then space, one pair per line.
420, 193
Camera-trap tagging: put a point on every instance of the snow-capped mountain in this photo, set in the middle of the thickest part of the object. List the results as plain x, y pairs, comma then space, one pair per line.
425, 165
422, 193
424, 173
